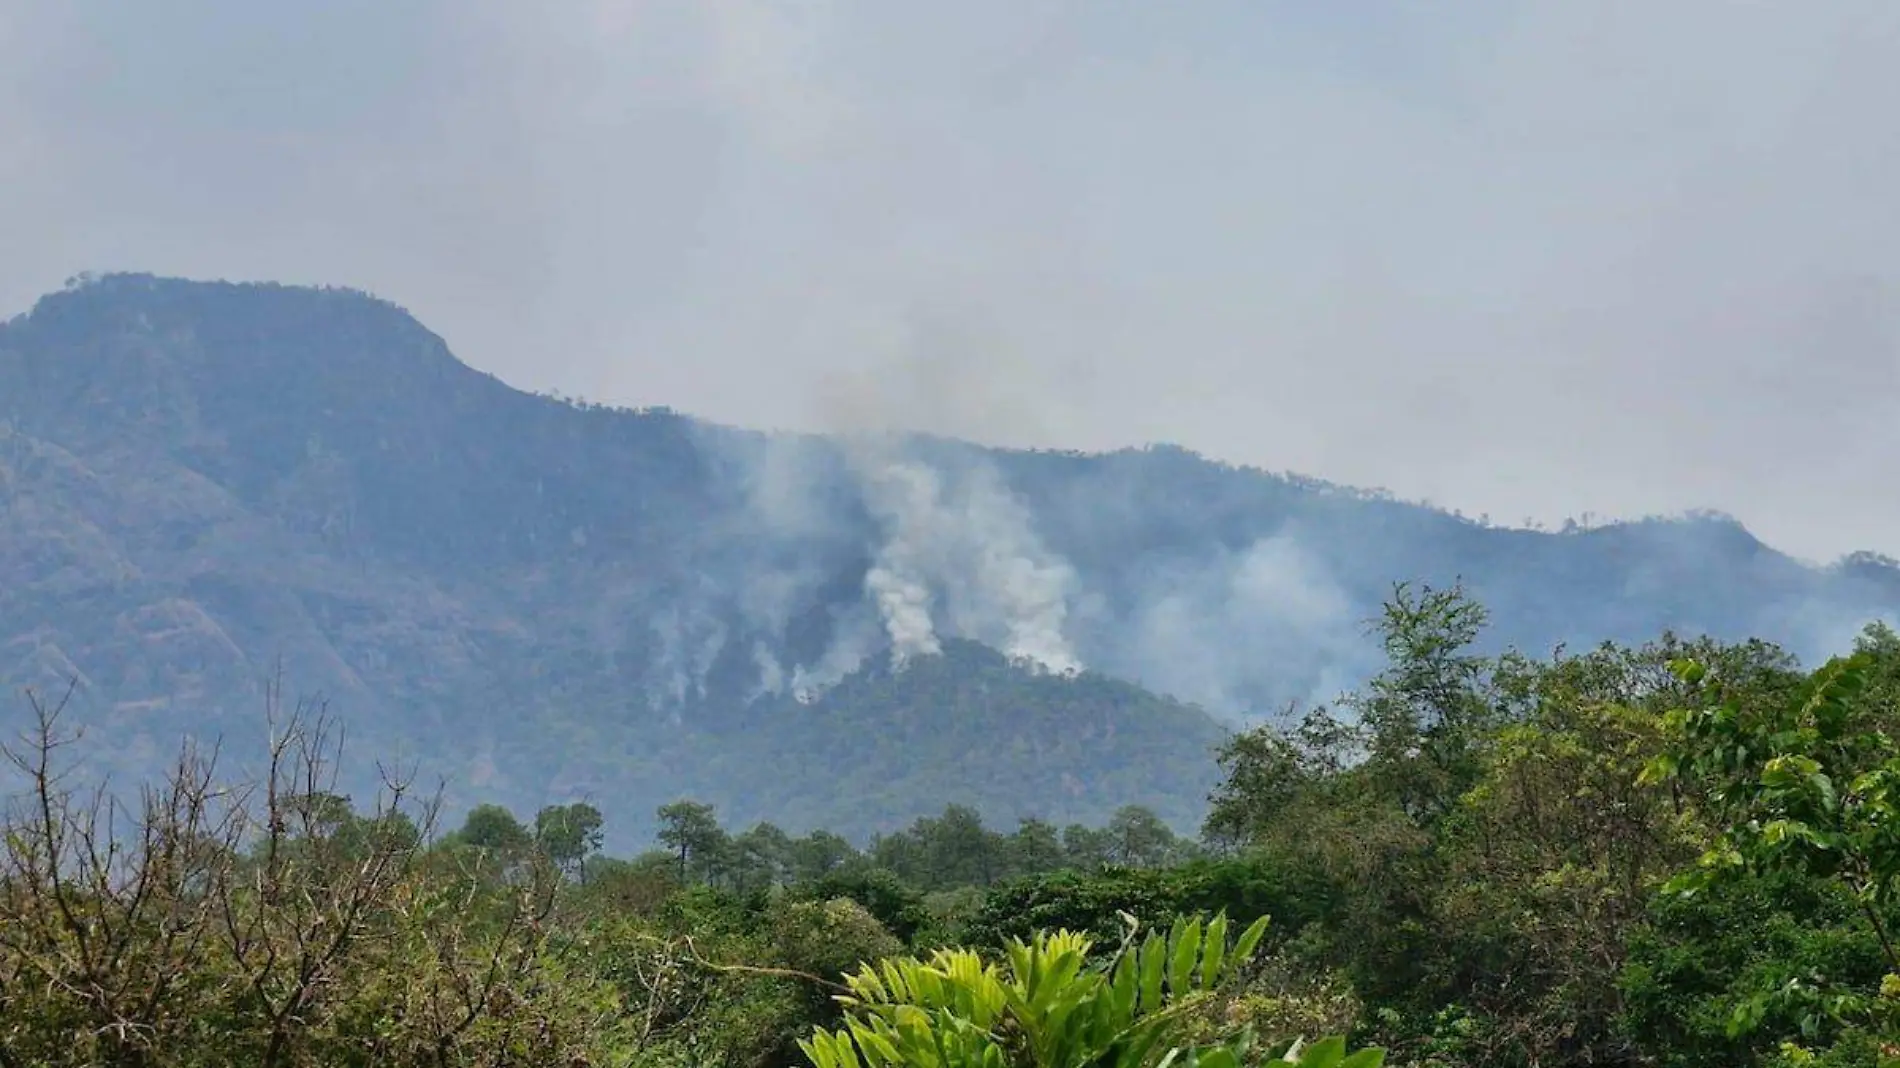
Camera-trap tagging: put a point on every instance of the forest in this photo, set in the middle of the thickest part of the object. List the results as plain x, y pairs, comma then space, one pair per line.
1682, 853
204, 482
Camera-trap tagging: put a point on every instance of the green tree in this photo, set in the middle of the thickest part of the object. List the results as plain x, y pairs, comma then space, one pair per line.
494, 828
897, 905
761, 857
950, 850
627, 888
1097, 903
818, 854
1086, 848
1422, 721
1552, 859
1809, 787
829, 938
1266, 776
692, 831
1138, 839
958, 849
568, 834
1035, 848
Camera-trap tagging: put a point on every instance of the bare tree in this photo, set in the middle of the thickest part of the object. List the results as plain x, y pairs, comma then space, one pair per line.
262, 923
104, 912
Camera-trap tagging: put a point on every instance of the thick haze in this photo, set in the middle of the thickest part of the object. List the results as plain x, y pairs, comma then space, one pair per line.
1528, 259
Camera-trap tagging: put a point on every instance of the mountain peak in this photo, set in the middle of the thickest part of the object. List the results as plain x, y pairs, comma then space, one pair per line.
241, 331
93, 294
325, 400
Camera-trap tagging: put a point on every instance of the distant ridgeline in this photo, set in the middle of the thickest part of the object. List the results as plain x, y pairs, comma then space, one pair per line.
206, 486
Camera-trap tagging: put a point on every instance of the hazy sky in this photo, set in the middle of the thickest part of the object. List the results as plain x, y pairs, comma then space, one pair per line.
1524, 258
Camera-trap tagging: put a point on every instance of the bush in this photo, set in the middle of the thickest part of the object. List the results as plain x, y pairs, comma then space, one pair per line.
1244, 889
898, 906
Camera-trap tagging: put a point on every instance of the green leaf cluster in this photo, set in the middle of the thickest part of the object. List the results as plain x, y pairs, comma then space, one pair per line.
1045, 1005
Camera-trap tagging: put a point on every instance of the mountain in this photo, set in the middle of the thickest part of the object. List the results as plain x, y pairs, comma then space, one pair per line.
209, 485
1064, 748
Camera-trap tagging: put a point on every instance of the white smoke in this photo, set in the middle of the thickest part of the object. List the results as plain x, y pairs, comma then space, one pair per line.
973, 542
771, 673
1225, 631
955, 553
907, 499
1017, 581
690, 641
855, 634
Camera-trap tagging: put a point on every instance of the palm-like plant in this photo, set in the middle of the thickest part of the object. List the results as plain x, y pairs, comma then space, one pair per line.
1045, 1006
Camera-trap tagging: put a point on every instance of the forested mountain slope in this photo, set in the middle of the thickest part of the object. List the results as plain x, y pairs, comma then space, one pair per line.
203, 485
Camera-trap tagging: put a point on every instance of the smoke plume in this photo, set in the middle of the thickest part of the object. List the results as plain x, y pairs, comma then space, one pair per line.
906, 499
960, 542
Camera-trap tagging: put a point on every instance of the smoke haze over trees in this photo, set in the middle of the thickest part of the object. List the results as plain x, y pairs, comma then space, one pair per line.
211, 485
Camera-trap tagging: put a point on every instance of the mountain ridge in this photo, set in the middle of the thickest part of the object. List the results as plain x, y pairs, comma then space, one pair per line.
205, 480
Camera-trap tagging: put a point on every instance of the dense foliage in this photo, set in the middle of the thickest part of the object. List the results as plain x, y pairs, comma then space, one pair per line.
1682, 854
1524, 856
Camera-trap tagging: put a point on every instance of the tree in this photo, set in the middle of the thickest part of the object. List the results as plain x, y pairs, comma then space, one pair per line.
568, 833
958, 849
1552, 860
1097, 903
1810, 787
1266, 774
818, 854
761, 857
1422, 720
950, 850
494, 828
692, 831
266, 923
1137, 838
1035, 848
1086, 848
829, 938
896, 904
627, 888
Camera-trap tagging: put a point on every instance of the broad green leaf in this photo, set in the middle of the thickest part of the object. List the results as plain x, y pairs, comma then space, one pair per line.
1365, 1058
1124, 988
1824, 786
1153, 961
1245, 946
1326, 1053
1187, 952
876, 1044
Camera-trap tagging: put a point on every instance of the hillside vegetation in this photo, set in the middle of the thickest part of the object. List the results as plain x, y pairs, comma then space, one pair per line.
1678, 853
208, 489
